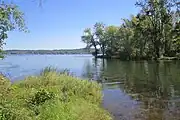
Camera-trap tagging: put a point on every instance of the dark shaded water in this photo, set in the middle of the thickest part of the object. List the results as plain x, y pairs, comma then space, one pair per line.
132, 90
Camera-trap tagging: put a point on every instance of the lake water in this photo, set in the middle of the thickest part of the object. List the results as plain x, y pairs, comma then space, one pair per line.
132, 90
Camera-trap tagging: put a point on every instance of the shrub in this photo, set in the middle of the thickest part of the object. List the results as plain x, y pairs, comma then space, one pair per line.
40, 97
52, 96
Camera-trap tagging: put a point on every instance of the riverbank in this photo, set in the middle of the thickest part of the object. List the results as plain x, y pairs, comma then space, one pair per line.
143, 58
51, 96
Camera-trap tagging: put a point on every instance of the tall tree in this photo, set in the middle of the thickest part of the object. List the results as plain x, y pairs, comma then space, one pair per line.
90, 40
176, 37
126, 37
152, 33
99, 29
112, 40
159, 14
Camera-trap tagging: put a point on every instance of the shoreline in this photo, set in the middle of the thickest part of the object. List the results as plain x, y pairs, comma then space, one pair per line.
137, 59
53, 96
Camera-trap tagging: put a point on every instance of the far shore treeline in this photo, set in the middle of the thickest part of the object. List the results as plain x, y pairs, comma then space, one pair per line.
62, 51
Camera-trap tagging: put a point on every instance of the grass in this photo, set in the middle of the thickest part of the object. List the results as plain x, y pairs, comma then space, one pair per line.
51, 96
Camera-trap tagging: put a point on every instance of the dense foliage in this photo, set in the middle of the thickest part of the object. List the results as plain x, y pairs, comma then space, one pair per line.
51, 96
152, 33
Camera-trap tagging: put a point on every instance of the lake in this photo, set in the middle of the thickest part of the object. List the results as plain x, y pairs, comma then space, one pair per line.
133, 90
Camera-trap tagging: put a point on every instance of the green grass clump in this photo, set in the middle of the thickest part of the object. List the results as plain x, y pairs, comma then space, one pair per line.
51, 96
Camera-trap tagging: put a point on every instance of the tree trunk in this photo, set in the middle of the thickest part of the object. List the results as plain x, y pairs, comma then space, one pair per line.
96, 51
103, 50
157, 51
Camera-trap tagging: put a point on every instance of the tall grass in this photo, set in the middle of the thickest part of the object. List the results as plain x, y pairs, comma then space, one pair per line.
52, 69
51, 96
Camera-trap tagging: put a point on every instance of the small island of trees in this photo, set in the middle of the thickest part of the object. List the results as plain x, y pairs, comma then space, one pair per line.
151, 34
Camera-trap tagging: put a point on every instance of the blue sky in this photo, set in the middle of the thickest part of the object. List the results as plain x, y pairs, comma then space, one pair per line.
59, 24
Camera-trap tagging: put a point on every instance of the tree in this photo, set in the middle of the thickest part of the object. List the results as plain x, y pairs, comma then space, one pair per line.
89, 39
10, 18
95, 38
126, 38
176, 37
111, 37
158, 13
99, 29
152, 33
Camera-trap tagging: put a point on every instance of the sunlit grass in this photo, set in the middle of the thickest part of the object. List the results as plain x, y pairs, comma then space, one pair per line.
51, 96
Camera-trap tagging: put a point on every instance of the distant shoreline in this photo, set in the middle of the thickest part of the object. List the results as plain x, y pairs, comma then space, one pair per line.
49, 52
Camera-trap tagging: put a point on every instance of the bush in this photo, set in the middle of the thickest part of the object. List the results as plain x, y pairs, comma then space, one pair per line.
40, 97
4, 85
52, 96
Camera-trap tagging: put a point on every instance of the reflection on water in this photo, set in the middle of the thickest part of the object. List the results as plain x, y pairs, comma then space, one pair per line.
142, 90
145, 90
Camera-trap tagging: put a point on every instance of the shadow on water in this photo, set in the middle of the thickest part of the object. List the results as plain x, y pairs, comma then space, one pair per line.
138, 90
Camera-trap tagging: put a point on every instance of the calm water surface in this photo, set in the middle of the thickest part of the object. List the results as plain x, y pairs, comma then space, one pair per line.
132, 90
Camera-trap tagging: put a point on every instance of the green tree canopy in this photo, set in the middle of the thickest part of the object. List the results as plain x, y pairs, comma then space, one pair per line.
151, 34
